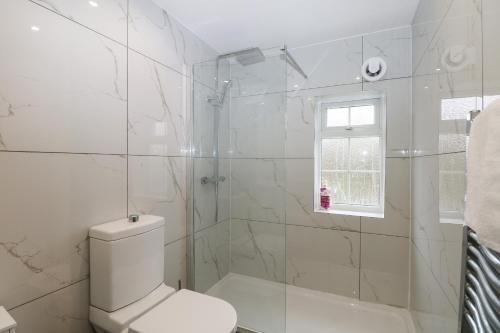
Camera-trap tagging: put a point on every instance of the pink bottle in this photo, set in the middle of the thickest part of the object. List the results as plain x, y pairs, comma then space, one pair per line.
325, 197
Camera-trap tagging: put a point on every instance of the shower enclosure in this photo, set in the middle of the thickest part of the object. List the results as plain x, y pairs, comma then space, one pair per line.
239, 142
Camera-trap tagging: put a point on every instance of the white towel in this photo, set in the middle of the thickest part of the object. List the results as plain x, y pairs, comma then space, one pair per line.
482, 212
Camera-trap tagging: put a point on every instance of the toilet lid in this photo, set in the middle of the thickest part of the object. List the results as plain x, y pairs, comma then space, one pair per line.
187, 312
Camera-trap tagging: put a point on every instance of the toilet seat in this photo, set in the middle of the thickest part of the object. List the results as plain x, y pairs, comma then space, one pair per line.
187, 312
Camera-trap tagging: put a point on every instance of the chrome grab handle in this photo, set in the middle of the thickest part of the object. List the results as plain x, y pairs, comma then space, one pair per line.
212, 180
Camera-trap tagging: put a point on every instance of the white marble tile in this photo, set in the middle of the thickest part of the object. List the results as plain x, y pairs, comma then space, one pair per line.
394, 46
441, 104
211, 205
491, 48
397, 93
176, 264
203, 121
48, 202
396, 219
458, 37
258, 189
325, 260
153, 32
158, 108
211, 255
428, 17
300, 200
327, 64
71, 96
109, 17
268, 76
258, 249
300, 111
384, 269
157, 186
436, 232
65, 311
426, 114
258, 126
430, 308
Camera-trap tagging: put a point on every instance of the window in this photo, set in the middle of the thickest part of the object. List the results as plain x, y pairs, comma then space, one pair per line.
349, 155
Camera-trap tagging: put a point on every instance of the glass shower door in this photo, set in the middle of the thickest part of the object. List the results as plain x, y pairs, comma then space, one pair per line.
239, 181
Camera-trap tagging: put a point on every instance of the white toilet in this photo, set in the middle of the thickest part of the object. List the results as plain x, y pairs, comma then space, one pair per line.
127, 293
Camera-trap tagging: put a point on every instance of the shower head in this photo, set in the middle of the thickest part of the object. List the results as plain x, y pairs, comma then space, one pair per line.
247, 57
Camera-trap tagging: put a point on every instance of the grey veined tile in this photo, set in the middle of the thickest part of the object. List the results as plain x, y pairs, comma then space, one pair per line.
157, 186
322, 259
108, 17
63, 311
71, 97
50, 201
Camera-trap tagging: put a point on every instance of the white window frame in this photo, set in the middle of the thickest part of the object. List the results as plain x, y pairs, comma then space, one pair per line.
324, 132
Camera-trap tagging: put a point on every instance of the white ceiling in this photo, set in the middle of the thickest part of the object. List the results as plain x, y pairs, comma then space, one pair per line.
230, 25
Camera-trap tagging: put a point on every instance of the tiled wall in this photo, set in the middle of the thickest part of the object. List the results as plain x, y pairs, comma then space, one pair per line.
272, 173
442, 28
94, 124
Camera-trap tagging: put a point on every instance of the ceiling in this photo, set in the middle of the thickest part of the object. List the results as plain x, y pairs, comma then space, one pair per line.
229, 25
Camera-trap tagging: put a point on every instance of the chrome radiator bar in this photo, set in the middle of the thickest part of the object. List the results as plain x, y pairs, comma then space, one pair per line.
481, 294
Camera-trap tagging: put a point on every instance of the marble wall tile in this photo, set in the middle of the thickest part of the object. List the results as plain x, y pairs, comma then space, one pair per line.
258, 189
430, 308
441, 105
211, 255
396, 221
153, 32
204, 117
176, 263
258, 126
258, 249
426, 114
458, 37
65, 310
436, 232
394, 46
202, 121
384, 269
48, 202
157, 109
268, 76
47, 103
157, 186
491, 49
397, 93
300, 200
210, 206
331, 265
300, 111
327, 64
109, 17
428, 17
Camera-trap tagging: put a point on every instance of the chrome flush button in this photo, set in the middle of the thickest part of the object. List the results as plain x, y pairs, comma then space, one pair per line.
133, 218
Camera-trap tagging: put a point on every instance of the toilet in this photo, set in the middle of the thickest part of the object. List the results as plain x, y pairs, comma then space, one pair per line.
127, 292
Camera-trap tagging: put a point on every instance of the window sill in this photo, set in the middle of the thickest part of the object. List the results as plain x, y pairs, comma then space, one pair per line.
349, 213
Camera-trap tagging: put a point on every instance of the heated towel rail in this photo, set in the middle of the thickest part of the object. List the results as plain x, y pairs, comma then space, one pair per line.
481, 292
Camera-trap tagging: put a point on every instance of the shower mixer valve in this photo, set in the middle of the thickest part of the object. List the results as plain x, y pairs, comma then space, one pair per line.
212, 180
